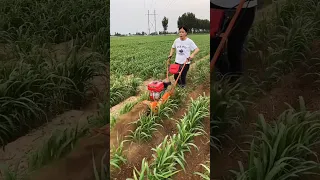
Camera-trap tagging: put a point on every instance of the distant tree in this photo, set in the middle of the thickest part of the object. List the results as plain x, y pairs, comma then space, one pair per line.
187, 19
165, 24
194, 24
117, 34
206, 25
154, 33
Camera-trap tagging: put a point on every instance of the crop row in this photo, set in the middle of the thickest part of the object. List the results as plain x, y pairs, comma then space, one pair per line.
198, 75
147, 124
122, 87
59, 145
283, 149
282, 40
38, 22
31, 92
34, 84
171, 151
205, 174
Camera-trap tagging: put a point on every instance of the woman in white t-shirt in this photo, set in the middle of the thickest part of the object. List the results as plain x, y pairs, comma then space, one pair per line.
183, 46
236, 37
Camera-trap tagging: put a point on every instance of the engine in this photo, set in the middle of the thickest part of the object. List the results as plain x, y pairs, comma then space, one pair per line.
156, 88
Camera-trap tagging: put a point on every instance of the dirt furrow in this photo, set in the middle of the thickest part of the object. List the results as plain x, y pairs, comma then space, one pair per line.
18, 151
196, 156
135, 152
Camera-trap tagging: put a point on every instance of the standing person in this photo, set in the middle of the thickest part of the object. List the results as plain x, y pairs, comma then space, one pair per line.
183, 46
236, 37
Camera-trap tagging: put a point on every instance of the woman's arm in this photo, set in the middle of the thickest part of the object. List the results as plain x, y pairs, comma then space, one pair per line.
170, 55
171, 52
195, 52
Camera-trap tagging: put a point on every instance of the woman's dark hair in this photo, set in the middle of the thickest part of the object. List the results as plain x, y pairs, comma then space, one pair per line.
183, 27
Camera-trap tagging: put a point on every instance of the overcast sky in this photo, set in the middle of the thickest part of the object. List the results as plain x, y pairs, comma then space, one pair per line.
129, 16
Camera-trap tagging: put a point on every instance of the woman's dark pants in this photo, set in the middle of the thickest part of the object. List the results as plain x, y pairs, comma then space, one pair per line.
235, 43
183, 78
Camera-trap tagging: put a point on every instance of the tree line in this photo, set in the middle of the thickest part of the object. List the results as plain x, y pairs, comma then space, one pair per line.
189, 20
194, 24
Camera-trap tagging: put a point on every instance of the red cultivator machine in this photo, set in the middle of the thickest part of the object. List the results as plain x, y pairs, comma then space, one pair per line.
217, 18
158, 89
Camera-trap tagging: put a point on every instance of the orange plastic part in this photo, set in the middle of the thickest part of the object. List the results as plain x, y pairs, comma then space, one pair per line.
154, 107
165, 97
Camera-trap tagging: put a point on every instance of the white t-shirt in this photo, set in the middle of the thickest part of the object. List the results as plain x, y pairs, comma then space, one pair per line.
183, 49
233, 3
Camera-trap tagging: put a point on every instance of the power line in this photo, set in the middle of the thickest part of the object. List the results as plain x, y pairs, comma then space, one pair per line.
148, 21
154, 14
155, 21
169, 3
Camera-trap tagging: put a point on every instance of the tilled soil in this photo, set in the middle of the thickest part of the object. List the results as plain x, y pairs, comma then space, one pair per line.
78, 165
135, 152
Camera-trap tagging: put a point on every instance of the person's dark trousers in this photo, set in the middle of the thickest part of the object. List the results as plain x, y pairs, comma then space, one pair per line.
235, 42
183, 78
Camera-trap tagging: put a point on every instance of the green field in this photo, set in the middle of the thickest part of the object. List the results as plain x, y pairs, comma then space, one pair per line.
51, 53
142, 57
36, 79
145, 56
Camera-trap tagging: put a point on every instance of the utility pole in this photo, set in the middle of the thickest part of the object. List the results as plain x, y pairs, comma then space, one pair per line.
155, 21
155, 26
148, 22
